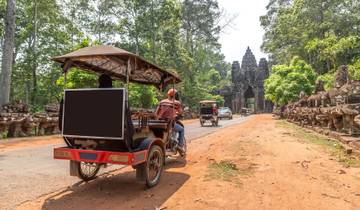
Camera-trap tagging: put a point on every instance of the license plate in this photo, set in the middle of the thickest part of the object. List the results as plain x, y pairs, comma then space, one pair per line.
88, 156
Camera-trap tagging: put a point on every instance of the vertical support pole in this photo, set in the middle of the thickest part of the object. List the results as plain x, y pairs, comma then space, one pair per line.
128, 122
65, 80
127, 80
173, 87
66, 67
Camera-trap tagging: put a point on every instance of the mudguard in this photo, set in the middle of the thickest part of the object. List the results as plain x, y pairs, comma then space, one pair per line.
147, 143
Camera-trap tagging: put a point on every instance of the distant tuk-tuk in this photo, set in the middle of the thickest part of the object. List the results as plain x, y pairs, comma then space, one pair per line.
208, 112
98, 125
245, 111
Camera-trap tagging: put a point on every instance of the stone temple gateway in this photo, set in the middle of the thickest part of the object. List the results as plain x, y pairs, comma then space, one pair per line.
247, 89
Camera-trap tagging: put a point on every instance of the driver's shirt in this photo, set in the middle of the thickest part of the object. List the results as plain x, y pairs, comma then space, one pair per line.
169, 109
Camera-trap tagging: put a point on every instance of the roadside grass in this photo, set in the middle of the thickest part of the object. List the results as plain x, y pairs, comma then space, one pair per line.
226, 170
330, 145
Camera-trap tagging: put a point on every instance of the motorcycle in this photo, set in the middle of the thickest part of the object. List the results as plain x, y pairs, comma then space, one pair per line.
172, 148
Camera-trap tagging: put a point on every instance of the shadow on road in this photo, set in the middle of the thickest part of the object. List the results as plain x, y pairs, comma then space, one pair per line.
120, 191
174, 163
212, 126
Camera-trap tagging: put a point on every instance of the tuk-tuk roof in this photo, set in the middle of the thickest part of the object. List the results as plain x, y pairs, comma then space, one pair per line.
106, 59
207, 102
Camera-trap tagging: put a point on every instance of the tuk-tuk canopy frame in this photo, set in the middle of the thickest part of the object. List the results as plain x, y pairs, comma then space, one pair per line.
207, 102
119, 64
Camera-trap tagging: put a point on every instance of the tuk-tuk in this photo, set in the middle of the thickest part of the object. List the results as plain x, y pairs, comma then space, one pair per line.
98, 125
208, 112
245, 111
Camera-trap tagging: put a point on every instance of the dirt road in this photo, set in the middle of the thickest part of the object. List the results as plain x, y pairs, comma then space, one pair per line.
259, 164
27, 169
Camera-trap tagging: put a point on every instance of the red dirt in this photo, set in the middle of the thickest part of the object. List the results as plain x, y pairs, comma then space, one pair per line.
36, 141
276, 170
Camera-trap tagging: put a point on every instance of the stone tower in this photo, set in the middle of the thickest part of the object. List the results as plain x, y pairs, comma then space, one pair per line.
248, 66
247, 89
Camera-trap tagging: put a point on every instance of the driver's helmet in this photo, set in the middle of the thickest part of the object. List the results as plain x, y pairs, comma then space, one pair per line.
171, 92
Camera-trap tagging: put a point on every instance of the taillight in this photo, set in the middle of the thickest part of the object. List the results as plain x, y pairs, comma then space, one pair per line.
62, 154
119, 158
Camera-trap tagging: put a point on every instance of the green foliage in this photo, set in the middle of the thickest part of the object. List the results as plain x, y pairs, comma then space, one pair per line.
224, 170
331, 48
287, 81
42, 32
328, 80
323, 33
2, 15
354, 70
141, 96
76, 78
219, 99
178, 35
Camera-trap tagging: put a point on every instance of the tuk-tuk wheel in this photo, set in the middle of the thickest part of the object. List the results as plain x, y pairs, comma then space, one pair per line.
87, 171
151, 170
201, 123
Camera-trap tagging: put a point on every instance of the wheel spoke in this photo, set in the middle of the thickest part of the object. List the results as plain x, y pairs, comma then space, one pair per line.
88, 169
154, 165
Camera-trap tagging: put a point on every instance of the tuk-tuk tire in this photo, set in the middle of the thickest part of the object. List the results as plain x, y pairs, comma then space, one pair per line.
201, 123
142, 172
83, 176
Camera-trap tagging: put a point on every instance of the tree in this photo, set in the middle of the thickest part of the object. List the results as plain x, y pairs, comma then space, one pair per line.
2, 24
8, 52
180, 36
324, 33
38, 38
287, 81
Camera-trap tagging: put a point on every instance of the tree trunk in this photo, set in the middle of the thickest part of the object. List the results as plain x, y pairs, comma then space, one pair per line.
1, 46
34, 66
137, 44
153, 31
8, 52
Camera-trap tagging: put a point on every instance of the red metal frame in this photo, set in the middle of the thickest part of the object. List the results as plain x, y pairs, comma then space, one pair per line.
133, 158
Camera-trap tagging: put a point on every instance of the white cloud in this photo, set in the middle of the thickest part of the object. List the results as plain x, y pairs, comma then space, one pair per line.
246, 30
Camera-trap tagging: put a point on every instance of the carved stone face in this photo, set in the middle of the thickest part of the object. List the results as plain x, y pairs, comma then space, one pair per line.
339, 99
341, 76
319, 86
302, 94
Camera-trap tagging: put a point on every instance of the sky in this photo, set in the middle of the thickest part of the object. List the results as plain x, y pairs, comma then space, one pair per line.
245, 30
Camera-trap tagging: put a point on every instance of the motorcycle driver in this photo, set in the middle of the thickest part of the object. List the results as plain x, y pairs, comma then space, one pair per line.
171, 108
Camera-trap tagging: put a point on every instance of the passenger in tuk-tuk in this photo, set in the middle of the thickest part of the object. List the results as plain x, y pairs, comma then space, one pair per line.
215, 109
171, 108
105, 81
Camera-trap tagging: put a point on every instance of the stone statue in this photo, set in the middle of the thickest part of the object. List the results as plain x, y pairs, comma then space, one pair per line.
341, 76
337, 109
